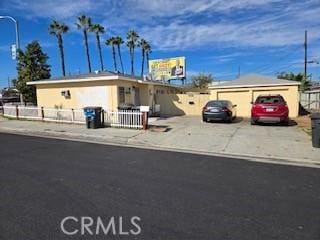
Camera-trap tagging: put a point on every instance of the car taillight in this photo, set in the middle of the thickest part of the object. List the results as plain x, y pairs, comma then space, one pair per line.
204, 109
224, 109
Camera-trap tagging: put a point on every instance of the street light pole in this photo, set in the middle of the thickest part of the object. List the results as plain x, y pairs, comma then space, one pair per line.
17, 29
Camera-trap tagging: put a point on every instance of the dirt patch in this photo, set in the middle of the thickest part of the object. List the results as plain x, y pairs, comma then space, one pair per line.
304, 122
157, 128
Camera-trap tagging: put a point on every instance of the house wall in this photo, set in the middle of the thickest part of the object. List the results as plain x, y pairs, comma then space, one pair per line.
244, 96
97, 93
171, 99
181, 104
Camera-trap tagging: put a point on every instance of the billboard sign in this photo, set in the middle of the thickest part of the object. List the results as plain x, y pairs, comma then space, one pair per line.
166, 69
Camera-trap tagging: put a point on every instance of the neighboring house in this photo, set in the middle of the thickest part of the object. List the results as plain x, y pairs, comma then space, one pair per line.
106, 89
9, 95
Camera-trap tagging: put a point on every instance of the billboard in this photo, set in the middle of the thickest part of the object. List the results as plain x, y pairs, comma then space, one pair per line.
166, 69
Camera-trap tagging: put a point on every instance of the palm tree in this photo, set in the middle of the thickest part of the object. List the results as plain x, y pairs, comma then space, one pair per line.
84, 23
147, 51
57, 29
143, 45
118, 42
112, 42
98, 29
132, 38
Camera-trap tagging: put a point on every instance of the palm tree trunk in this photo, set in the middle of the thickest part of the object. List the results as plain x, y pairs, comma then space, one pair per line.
87, 49
142, 64
119, 53
147, 55
131, 59
114, 58
60, 44
100, 52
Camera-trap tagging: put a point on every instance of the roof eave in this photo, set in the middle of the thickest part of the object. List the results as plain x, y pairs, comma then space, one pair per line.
96, 78
255, 85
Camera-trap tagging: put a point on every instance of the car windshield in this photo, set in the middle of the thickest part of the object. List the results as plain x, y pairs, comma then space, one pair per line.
217, 104
269, 99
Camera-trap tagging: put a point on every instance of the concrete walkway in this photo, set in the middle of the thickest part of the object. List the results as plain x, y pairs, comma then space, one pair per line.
189, 134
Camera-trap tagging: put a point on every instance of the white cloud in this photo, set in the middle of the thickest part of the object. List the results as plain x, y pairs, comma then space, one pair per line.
262, 31
190, 24
61, 9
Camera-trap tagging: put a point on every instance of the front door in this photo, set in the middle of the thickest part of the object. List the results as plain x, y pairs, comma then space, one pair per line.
137, 97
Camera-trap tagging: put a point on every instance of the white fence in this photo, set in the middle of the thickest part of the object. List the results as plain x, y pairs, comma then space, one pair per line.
124, 119
119, 118
310, 100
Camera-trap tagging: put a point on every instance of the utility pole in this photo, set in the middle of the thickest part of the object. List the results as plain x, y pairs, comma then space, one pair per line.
238, 71
305, 58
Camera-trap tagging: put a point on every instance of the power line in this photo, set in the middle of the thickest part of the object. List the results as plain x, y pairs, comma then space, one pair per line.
267, 66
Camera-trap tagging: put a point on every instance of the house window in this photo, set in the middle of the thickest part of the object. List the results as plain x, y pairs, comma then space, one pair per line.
122, 97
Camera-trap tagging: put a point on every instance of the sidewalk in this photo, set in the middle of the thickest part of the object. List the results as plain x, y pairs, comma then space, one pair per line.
189, 134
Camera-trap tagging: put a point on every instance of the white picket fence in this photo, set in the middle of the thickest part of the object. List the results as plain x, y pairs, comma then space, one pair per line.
124, 119
118, 118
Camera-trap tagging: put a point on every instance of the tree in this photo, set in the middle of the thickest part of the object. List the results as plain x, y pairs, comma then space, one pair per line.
148, 51
32, 66
143, 44
305, 85
112, 42
132, 38
202, 80
118, 42
84, 23
57, 29
98, 29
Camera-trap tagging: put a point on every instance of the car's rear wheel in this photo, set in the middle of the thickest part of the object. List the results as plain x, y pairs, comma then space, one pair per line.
285, 122
204, 119
228, 120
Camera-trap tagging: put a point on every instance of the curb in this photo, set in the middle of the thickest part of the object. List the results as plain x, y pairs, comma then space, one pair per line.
124, 143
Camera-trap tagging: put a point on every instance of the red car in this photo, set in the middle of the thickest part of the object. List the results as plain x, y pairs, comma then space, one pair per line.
270, 108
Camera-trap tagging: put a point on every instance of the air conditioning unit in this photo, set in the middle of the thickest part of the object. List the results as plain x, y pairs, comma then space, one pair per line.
65, 93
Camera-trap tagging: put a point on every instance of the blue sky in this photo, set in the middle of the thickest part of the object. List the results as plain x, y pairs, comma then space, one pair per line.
216, 36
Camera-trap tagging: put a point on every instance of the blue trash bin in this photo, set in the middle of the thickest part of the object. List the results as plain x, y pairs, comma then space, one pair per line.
93, 117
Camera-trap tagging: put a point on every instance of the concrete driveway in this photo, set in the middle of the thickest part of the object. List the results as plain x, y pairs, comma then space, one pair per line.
238, 138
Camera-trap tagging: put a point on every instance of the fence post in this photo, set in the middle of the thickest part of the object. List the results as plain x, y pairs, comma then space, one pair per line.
102, 117
145, 120
42, 114
17, 112
144, 110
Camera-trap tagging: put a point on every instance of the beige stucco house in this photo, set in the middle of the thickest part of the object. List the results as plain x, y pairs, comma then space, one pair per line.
109, 90
105, 89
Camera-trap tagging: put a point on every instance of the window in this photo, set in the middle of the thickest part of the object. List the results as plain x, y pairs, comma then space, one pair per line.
270, 99
122, 97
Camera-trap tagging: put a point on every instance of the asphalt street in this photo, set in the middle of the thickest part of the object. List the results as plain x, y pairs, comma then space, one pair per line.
175, 195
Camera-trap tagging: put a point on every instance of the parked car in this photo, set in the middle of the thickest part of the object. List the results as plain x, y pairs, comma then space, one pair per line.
219, 110
270, 108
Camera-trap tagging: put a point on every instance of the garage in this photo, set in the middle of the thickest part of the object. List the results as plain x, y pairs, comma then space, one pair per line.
246, 89
241, 98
